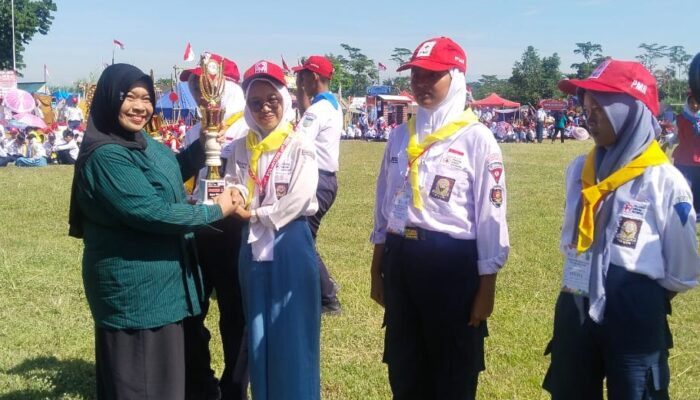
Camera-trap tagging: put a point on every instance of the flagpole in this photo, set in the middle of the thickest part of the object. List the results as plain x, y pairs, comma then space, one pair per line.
14, 46
114, 47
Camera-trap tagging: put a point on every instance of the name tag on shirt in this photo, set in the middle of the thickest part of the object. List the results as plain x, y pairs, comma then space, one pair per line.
577, 273
399, 212
453, 159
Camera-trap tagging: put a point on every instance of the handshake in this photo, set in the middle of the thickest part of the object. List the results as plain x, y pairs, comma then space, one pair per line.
232, 203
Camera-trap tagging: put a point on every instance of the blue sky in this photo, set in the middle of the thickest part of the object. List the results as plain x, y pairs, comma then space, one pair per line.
494, 33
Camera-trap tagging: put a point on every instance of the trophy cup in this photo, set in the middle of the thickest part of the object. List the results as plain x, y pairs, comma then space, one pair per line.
211, 85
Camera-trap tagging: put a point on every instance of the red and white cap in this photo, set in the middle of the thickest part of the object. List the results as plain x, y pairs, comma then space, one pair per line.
263, 69
318, 64
615, 76
230, 69
438, 54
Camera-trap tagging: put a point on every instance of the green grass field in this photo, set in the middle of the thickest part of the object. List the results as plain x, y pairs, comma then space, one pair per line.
46, 337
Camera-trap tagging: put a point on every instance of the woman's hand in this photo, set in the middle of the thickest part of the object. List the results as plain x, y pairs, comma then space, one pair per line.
484, 300
241, 213
226, 201
377, 280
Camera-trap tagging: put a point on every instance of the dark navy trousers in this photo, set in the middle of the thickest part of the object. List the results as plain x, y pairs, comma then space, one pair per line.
325, 195
629, 349
430, 281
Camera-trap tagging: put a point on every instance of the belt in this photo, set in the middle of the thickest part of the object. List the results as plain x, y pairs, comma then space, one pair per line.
416, 233
326, 173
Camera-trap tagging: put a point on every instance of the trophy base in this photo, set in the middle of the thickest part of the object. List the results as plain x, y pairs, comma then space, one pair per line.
210, 189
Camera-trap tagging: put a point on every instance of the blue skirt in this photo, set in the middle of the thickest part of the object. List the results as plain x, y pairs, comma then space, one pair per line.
281, 300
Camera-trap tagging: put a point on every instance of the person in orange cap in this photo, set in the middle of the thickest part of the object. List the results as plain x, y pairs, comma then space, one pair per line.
629, 244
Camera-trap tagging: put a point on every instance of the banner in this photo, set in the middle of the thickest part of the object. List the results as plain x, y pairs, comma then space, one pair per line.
8, 81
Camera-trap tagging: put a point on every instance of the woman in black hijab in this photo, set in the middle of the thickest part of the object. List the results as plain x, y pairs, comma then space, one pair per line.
140, 272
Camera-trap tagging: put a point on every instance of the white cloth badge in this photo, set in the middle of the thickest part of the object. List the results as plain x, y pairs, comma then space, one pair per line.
452, 159
399, 212
577, 273
634, 209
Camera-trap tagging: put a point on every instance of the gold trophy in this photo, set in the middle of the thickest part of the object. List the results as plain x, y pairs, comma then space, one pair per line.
211, 85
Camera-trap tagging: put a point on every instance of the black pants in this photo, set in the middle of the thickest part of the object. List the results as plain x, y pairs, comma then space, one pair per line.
429, 288
218, 259
64, 157
325, 194
558, 131
539, 127
5, 160
629, 349
692, 175
140, 364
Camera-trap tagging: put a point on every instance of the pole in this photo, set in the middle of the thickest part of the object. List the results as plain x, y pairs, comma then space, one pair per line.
14, 47
113, 48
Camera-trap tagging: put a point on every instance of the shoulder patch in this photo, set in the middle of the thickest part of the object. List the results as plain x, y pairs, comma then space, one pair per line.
308, 120
683, 210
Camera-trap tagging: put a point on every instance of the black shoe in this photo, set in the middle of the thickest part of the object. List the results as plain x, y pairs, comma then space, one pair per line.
331, 307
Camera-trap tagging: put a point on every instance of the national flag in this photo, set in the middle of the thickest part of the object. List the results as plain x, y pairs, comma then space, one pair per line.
46, 71
284, 65
381, 67
189, 53
118, 44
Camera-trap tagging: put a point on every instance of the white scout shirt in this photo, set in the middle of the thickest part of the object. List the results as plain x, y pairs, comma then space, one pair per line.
74, 114
290, 191
237, 130
652, 232
323, 124
72, 146
463, 190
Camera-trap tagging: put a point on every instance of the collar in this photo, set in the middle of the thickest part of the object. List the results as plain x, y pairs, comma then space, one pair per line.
325, 96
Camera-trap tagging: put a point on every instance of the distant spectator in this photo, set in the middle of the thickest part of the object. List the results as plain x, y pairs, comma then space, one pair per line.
67, 150
35, 155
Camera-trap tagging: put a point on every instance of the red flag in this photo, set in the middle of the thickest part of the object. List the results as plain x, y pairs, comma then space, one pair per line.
118, 44
381, 67
284, 64
189, 53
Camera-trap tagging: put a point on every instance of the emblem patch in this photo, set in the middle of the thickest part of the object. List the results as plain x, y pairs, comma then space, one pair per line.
442, 188
627, 232
308, 120
496, 170
394, 160
683, 210
496, 196
281, 189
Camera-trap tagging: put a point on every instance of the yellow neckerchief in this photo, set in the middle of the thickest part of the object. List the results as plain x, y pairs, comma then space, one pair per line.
592, 194
232, 120
271, 142
415, 150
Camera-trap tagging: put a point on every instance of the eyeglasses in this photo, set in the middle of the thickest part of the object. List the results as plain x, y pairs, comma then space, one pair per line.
256, 105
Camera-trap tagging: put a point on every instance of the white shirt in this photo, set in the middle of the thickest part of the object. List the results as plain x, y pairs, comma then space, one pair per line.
650, 233
474, 200
14, 148
541, 115
290, 191
74, 114
323, 124
72, 146
36, 150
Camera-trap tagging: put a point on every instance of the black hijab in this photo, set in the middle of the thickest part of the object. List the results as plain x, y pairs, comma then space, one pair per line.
104, 128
